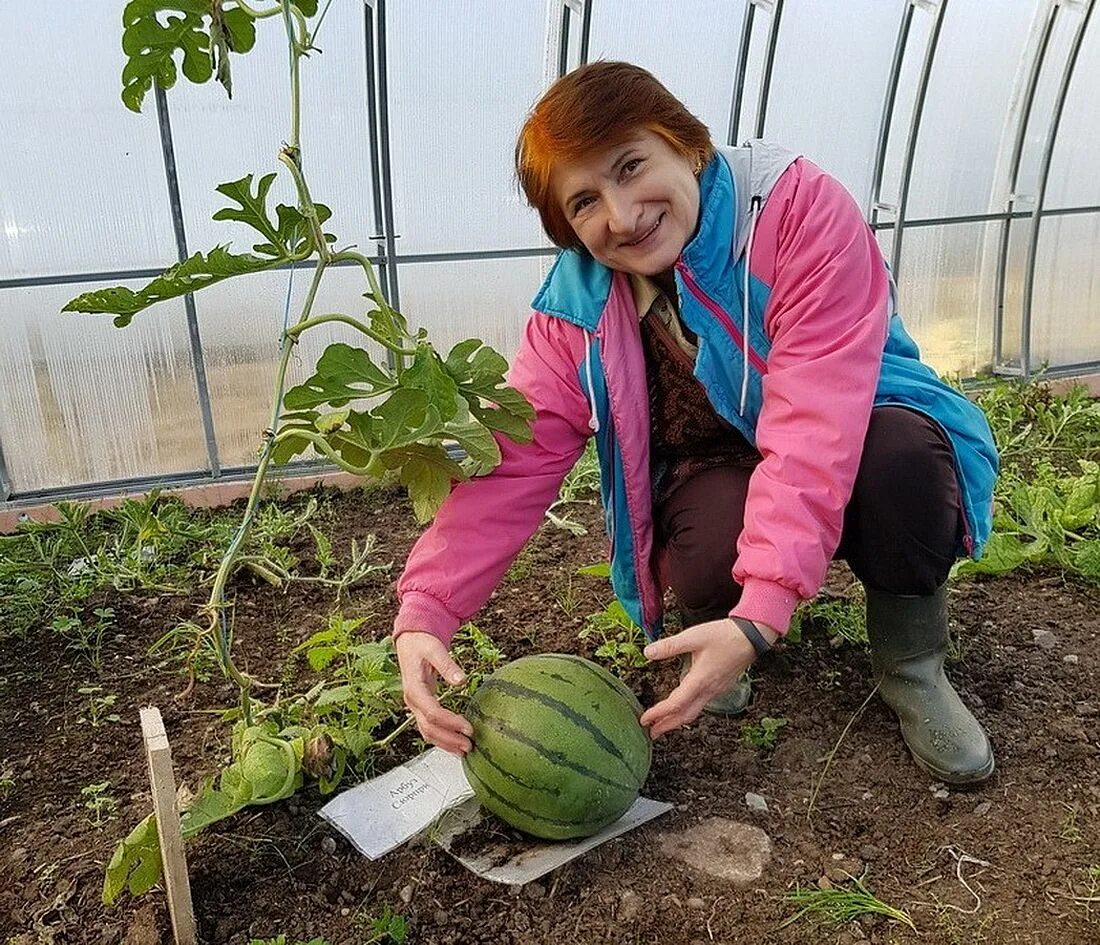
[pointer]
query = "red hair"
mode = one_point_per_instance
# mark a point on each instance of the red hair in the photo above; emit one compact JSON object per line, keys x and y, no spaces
{"x":595,"y":107}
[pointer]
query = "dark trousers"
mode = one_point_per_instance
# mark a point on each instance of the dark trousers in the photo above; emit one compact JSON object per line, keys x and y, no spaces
{"x":901,"y":526}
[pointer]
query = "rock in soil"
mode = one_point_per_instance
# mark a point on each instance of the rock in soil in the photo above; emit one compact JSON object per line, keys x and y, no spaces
{"x":722,"y":848}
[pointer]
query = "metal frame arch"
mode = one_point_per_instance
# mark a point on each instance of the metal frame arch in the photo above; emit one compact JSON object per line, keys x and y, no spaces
{"x":1044,"y":177}
{"x":1015,"y":159}
{"x":775,"y":8}
{"x":914,"y":129}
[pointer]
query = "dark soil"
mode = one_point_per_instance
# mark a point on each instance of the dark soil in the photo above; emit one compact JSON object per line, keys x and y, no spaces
{"x":280,"y":869}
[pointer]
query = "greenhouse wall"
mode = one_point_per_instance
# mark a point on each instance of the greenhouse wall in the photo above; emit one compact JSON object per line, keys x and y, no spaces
{"x":967,"y":131}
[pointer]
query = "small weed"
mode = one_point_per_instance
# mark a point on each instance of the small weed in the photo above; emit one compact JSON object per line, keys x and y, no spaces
{"x":762,"y":735}
{"x":98,"y":800}
{"x":842,"y":618}
{"x":580,"y":486}
{"x":7,"y":783}
{"x":567,"y":599}
{"x":953,"y":933}
{"x":521,"y":568}
{"x":99,"y":707}
{"x":1068,"y":829}
{"x":839,"y":905}
{"x":387,"y":929}
{"x":620,"y":639}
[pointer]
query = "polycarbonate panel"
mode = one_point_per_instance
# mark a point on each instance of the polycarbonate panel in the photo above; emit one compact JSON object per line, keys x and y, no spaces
{"x":920,"y":33}
{"x":1067,"y":19}
{"x":691,"y":46}
{"x":82,"y":401}
{"x":833,"y":115}
{"x":976,"y":77}
{"x":946,"y":294}
{"x":462,"y":78}
{"x":1066,"y":306}
{"x":82,"y":186}
{"x":242,"y":322}
{"x":218,"y":139}
{"x":1074,"y":180}
{"x":488,"y":299}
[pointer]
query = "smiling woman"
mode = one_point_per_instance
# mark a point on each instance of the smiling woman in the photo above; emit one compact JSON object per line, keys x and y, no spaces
{"x":634,"y":206}
{"x":722,"y":321}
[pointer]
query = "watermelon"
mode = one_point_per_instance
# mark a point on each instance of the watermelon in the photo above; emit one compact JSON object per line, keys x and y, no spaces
{"x":558,"y":750}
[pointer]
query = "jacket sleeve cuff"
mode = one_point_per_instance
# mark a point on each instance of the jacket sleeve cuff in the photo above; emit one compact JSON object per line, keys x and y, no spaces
{"x":768,"y":603}
{"x":420,"y":611}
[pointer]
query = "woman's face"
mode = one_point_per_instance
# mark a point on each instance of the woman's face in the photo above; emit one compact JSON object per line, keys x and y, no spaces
{"x":634,"y":206}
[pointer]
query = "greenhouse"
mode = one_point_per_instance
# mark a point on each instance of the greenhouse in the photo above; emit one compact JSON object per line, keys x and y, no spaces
{"x":526,"y":471}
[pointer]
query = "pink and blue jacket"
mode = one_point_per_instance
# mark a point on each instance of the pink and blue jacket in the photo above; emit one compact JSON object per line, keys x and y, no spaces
{"x":795,"y":311}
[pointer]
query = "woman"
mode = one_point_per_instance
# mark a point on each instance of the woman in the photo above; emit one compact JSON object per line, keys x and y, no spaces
{"x":724,"y":323}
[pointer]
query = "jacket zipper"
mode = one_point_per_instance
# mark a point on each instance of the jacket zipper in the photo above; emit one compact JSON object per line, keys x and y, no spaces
{"x":716,"y":310}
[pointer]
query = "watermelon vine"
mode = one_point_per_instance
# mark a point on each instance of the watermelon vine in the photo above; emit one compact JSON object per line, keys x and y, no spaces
{"x":397,"y":416}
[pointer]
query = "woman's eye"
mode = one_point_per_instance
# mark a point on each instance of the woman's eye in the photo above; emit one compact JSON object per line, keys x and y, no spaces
{"x":582,"y":204}
{"x":631,"y":166}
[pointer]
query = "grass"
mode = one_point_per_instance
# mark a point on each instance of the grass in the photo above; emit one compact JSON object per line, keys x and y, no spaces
{"x":841,"y":904}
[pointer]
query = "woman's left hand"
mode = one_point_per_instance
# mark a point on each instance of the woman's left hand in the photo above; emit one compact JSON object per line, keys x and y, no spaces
{"x":720,"y":652}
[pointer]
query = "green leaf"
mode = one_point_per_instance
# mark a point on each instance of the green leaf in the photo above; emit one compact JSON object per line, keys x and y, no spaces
{"x":1003,"y":553}
{"x":1086,"y":558}
{"x":252,"y":209}
{"x":154,"y":31}
{"x":427,"y":474}
{"x":135,"y":864}
{"x":192,"y":274}
{"x":479,"y":372}
{"x":210,"y":806}
{"x":429,"y":374}
{"x":342,"y":374}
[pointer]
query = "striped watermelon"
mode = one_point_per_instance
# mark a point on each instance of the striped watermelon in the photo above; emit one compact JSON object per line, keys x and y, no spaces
{"x":558,"y":751}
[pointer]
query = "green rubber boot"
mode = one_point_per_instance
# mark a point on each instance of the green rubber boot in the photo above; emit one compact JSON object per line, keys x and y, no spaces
{"x":733,"y":701}
{"x":908,"y":644}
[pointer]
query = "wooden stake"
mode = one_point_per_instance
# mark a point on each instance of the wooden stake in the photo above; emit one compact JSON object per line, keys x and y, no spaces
{"x":173,"y":862}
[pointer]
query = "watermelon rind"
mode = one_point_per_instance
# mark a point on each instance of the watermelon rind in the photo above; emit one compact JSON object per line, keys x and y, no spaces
{"x":558,"y":750}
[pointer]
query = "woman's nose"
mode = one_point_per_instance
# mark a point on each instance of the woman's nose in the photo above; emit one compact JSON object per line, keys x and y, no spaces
{"x":621,"y":215}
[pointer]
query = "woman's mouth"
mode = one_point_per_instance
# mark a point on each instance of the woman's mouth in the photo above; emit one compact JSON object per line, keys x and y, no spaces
{"x":646,"y":236}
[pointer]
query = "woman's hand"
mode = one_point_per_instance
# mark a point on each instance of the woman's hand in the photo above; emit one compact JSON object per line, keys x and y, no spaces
{"x":720,"y":652}
{"x":423,"y":659}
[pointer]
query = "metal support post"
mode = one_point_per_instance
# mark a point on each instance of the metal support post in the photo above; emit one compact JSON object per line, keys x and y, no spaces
{"x":168,"y":152}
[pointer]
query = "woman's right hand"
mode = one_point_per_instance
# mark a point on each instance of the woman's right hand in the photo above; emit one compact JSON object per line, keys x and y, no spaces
{"x":423,"y":660}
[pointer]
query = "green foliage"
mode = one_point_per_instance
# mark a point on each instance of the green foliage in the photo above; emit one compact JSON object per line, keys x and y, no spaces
{"x":204,"y":31}
{"x":842,"y":618}
{"x":620,"y":639}
{"x":837,"y":904}
{"x":1047,"y":499}
{"x":1048,"y":519}
{"x":98,"y":800}
{"x":343,"y":721}
{"x":581,"y":485}
{"x":98,"y":707}
{"x":762,"y":735}
{"x":389,"y":927}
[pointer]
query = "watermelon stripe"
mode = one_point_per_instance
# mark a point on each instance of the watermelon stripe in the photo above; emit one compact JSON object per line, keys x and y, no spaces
{"x":555,"y":757}
{"x":619,"y":690}
{"x":531,"y":815}
{"x":524,"y":692}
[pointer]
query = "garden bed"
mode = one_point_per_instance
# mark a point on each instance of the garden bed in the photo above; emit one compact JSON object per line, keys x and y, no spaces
{"x":280,"y":869}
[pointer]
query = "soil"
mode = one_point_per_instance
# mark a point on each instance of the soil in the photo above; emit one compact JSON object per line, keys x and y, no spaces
{"x":1005,"y":862}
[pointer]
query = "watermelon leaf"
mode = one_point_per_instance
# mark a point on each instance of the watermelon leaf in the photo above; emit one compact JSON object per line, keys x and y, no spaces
{"x":154,"y":31}
{"x":194,"y":273}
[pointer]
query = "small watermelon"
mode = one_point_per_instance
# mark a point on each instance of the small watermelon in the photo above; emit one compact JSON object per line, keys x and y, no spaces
{"x":558,"y":749}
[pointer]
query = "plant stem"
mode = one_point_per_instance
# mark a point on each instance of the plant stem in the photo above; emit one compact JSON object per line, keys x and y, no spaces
{"x":348,"y":255}
{"x":295,"y":76}
{"x":354,"y":323}
{"x":384,"y":743}
{"x":320,"y":443}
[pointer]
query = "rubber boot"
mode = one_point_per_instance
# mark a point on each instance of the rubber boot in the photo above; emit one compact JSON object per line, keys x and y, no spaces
{"x":733,"y":701}
{"x":908,"y":638}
